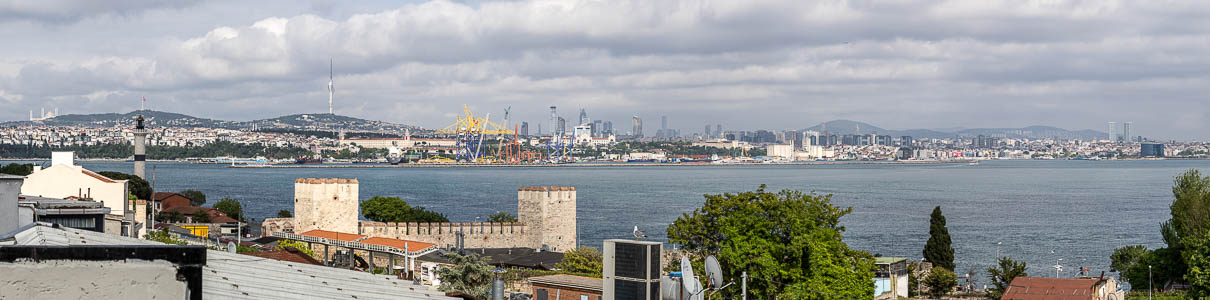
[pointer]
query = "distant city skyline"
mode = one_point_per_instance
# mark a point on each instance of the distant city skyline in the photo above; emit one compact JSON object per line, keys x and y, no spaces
{"x":924,"y":64}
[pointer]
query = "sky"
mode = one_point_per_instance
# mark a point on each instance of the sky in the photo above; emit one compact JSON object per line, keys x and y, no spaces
{"x":755,"y":64}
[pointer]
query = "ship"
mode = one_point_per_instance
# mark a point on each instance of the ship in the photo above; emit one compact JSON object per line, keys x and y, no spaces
{"x":308,"y":160}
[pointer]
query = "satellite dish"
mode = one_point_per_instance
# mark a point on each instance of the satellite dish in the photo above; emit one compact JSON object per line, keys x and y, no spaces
{"x":691,"y":286}
{"x":231,"y":247}
{"x":714,"y":272}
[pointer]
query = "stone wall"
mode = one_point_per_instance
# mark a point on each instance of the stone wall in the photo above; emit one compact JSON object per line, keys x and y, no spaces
{"x":477,"y":235}
{"x":551,"y":212}
{"x":329,"y":204}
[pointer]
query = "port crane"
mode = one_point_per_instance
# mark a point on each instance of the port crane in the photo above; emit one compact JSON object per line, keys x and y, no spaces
{"x":470,"y":132}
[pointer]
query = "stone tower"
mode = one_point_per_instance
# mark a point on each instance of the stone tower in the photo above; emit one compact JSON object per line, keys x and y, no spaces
{"x":329,"y":204}
{"x":550,"y":214}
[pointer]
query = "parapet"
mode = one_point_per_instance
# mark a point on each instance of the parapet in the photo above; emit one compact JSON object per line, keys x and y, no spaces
{"x":325,"y":181}
{"x":546,"y":188}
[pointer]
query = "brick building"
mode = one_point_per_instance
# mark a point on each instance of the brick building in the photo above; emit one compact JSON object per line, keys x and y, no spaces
{"x":567,"y":287}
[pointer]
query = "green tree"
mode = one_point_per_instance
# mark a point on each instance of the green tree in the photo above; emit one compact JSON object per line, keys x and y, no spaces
{"x":230,"y":207}
{"x":940,"y":281}
{"x":393,"y":209}
{"x":502,"y":217}
{"x":196,"y":197}
{"x":1189,"y":229}
{"x":583,"y":261}
{"x":469,"y":274}
{"x":163,"y":236}
{"x":938,"y":249}
{"x":284,"y":214}
{"x":789,"y":242}
{"x":1003,"y":275}
{"x":1123,"y":258}
{"x":139,"y":187}
{"x":200,"y":216}
{"x":300,"y":245}
{"x":170,"y":217}
{"x":18,"y":169}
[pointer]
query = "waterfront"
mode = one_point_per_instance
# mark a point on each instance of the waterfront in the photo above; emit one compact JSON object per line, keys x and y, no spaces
{"x":1079,"y":209}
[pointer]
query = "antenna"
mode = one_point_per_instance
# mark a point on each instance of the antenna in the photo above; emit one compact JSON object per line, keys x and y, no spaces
{"x":331,"y":88}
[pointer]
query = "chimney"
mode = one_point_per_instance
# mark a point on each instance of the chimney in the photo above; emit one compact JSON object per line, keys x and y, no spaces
{"x":10,"y":190}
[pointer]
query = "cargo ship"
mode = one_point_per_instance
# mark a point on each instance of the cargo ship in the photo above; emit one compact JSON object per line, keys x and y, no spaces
{"x":308,"y":160}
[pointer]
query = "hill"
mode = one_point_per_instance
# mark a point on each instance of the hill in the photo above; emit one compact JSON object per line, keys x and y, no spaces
{"x":169,"y":119}
{"x":842,"y":127}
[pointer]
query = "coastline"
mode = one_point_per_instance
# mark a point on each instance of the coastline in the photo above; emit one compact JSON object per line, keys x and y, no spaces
{"x":592,"y":165}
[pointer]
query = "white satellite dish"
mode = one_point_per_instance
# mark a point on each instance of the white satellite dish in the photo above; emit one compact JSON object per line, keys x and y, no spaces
{"x":670,"y":289}
{"x":714,"y":272}
{"x":688,"y":281}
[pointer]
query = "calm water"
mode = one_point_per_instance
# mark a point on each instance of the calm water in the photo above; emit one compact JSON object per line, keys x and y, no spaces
{"x":1080,"y":210}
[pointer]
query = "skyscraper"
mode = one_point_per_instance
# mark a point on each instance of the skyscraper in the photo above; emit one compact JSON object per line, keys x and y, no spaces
{"x":663,"y":127}
{"x":562,"y":127}
{"x":583,"y":117}
{"x":636,"y":127}
{"x":707,"y":132}
{"x":598,"y":128}
{"x":554,"y":121}
{"x":1113,"y":131}
{"x":608,"y":129}
{"x":718,"y":130}
{"x":1126,"y":137}
{"x":524,"y":129}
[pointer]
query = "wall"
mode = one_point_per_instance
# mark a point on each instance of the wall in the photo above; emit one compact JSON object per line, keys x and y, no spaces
{"x":10,"y":187}
{"x":564,"y":293}
{"x":551,"y":213}
{"x":62,"y":181}
{"x":329,"y":204}
{"x":69,"y":279}
{"x":478,"y":235}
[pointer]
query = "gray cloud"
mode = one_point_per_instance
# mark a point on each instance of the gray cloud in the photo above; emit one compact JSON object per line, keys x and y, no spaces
{"x":746,"y":64}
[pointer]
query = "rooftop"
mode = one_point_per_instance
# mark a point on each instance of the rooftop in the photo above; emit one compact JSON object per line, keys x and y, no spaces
{"x":510,"y":257}
{"x":237,"y":276}
{"x":888,"y":260}
{"x":332,"y":235}
{"x":404,"y":245}
{"x":1044,"y":288}
{"x":572,"y":281}
{"x":289,"y":254}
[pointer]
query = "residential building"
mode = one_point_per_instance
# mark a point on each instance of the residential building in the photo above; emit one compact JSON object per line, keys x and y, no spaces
{"x":568,"y":287}
{"x":890,"y":278}
{"x":85,"y":215}
{"x":1151,"y":150}
{"x":64,"y":179}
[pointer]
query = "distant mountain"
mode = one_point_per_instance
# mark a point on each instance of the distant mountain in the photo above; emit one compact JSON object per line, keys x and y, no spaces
{"x":842,"y":127}
{"x":168,"y":119}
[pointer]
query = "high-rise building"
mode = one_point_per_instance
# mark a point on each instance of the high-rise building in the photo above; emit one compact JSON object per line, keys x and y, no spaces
{"x":583,"y":117}
{"x":554,"y":121}
{"x":598,"y":128}
{"x":636,"y":127}
{"x":718,"y":130}
{"x":562,"y":126}
{"x":524,"y":129}
{"x":707,"y":132}
{"x":1126,"y":137}
{"x":608,"y":129}
{"x":1113,"y":131}
{"x":663,"y":127}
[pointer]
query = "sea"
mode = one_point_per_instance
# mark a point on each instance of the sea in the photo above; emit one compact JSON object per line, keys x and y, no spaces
{"x":1048,"y":213}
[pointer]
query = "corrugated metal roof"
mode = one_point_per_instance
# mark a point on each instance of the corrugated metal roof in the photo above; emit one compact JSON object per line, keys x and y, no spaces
{"x":1042,"y":288}
{"x":236,"y":276}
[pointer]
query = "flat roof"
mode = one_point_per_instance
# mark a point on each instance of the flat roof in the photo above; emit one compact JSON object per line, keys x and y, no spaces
{"x":404,"y":245}
{"x":572,"y":281}
{"x":888,"y":260}
{"x":332,"y":235}
{"x":11,"y":177}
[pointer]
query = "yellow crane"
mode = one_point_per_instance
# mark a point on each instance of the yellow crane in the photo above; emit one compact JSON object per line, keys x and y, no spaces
{"x":471,"y":132}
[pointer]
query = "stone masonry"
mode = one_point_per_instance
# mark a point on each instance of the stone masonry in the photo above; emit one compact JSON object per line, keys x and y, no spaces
{"x":329,"y":204}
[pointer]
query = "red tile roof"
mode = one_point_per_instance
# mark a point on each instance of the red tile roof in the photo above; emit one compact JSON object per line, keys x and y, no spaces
{"x":332,"y":235}
{"x":398,"y":244}
{"x":1042,"y":288}
{"x":97,"y":176}
{"x":216,"y":216}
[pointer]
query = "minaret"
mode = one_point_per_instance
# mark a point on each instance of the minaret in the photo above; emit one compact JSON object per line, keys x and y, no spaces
{"x":140,"y":148}
{"x":331,"y":88}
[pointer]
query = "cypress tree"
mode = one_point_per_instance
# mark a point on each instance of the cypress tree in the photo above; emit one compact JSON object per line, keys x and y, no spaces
{"x":938,"y":249}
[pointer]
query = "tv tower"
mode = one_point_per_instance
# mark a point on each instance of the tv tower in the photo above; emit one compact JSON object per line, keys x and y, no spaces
{"x":331,"y":88}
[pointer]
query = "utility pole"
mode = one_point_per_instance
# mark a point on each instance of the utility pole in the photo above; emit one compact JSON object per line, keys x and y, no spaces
{"x":1150,"y":283}
{"x":744,"y":285}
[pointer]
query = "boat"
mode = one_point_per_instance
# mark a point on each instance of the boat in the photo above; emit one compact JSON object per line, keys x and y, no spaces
{"x":308,"y":160}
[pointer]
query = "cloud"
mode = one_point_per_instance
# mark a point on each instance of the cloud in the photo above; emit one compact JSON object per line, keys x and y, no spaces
{"x":60,"y":11}
{"x":749,"y":64}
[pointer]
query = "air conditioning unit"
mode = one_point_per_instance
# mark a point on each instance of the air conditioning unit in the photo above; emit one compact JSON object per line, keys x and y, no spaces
{"x":631,"y":270}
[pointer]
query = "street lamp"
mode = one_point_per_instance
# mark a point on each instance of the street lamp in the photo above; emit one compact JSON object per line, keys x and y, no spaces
{"x":1150,"y":284}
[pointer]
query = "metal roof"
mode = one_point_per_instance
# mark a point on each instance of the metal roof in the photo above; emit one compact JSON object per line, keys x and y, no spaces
{"x":237,"y":276}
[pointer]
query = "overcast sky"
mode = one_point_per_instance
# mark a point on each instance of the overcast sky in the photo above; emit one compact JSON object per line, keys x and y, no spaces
{"x":745,"y":64}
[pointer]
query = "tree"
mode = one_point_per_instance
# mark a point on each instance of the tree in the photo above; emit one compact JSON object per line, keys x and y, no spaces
{"x":938,"y":249}
{"x":393,"y":209}
{"x":789,"y":242}
{"x":18,"y":169}
{"x":502,"y":217}
{"x":940,"y":281}
{"x":469,"y":274}
{"x":196,"y":197}
{"x":1002,"y":276}
{"x":139,"y":187}
{"x":200,"y":216}
{"x":284,"y":214}
{"x":1189,"y":229}
{"x":171,"y":217}
{"x":230,"y":207}
{"x":583,"y":261}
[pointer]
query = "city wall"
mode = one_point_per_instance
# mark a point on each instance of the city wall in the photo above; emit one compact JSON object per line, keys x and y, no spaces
{"x":475,"y":235}
{"x":329,"y":204}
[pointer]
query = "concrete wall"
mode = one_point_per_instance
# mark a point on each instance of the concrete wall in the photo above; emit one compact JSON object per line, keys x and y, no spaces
{"x":10,"y":187}
{"x":329,"y":204}
{"x":62,"y":181}
{"x":67,"y":279}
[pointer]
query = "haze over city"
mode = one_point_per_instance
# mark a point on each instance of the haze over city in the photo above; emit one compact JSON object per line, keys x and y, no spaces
{"x":748,"y":64}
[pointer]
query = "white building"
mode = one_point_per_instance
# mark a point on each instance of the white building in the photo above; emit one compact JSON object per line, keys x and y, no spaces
{"x":785,"y":152}
{"x":65,"y":179}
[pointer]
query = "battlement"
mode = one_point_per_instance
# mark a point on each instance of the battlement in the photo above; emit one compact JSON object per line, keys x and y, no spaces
{"x":546,"y":189}
{"x":475,"y":234}
{"x":325,"y":181}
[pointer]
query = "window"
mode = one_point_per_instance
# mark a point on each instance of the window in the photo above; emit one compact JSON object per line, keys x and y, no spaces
{"x":541,"y":295}
{"x":583,"y":297}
